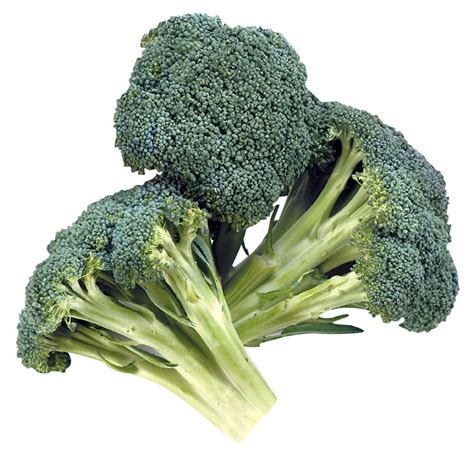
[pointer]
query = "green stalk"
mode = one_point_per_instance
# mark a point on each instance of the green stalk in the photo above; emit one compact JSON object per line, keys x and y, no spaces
{"x":89,"y":342}
{"x":142,"y":327}
{"x":186,"y":320}
{"x":225,"y":248}
{"x":305,"y":256}
{"x":336,"y":292}
{"x":257,"y":269}
{"x":348,"y":253}
{"x":309,"y":223}
{"x":206,"y":309}
{"x":301,"y":235}
{"x":302,"y":195}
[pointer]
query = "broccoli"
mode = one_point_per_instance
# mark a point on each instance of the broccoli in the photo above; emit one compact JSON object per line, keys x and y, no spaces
{"x":368,"y":232}
{"x":144,"y":281}
{"x":132,"y":283}
{"x":223,"y":112}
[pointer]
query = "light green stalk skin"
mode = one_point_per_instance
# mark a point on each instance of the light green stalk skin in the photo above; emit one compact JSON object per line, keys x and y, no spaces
{"x":230,"y":416}
{"x":304,"y":246}
{"x":208,"y":352}
{"x":206,"y":310}
{"x":220,"y":399}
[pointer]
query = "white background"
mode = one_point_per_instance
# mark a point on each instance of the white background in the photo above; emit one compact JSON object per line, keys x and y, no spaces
{"x":384,"y":392}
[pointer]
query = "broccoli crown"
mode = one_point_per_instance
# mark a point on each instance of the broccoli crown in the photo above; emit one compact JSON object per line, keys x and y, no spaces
{"x":405,"y":266}
{"x":117,"y":234}
{"x":222,"y":110}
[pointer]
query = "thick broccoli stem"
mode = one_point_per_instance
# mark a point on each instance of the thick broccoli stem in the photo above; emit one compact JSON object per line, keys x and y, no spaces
{"x":302,"y":195}
{"x":206,"y":309}
{"x":336,"y":292}
{"x":307,"y":242}
{"x":305,"y":256}
{"x":139,"y":324}
{"x":256,"y":268}
{"x":225,"y":248}
{"x":231,"y":418}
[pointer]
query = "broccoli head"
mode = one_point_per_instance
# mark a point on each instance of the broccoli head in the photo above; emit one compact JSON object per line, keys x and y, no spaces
{"x":132,"y":283}
{"x":223,"y":111}
{"x":369,"y":231}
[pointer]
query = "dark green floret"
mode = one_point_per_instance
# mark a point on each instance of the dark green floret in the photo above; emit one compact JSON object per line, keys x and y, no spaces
{"x":374,"y":223}
{"x":222,"y":110}
{"x":132,"y":283}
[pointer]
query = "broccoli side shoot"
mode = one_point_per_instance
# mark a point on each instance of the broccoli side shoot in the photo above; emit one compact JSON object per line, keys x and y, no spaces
{"x":223,"y":111}
{"x":370,"y":231}
{"x":132,"y":283}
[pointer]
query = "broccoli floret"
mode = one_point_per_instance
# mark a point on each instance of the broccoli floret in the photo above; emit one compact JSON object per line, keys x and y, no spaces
{"x":223,"y":111}
{"x":374,"y":224}
{"x":132,"y":283}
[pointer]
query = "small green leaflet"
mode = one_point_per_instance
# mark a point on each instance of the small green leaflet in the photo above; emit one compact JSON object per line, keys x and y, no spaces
{"x":321,"y":326}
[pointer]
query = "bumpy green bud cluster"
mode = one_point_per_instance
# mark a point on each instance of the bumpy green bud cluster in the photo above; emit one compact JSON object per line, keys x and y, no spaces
{"x":404,"y":282}
{"x":403,"y":252}
{"x":222,"y":110}
{"x":47,"y":297}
